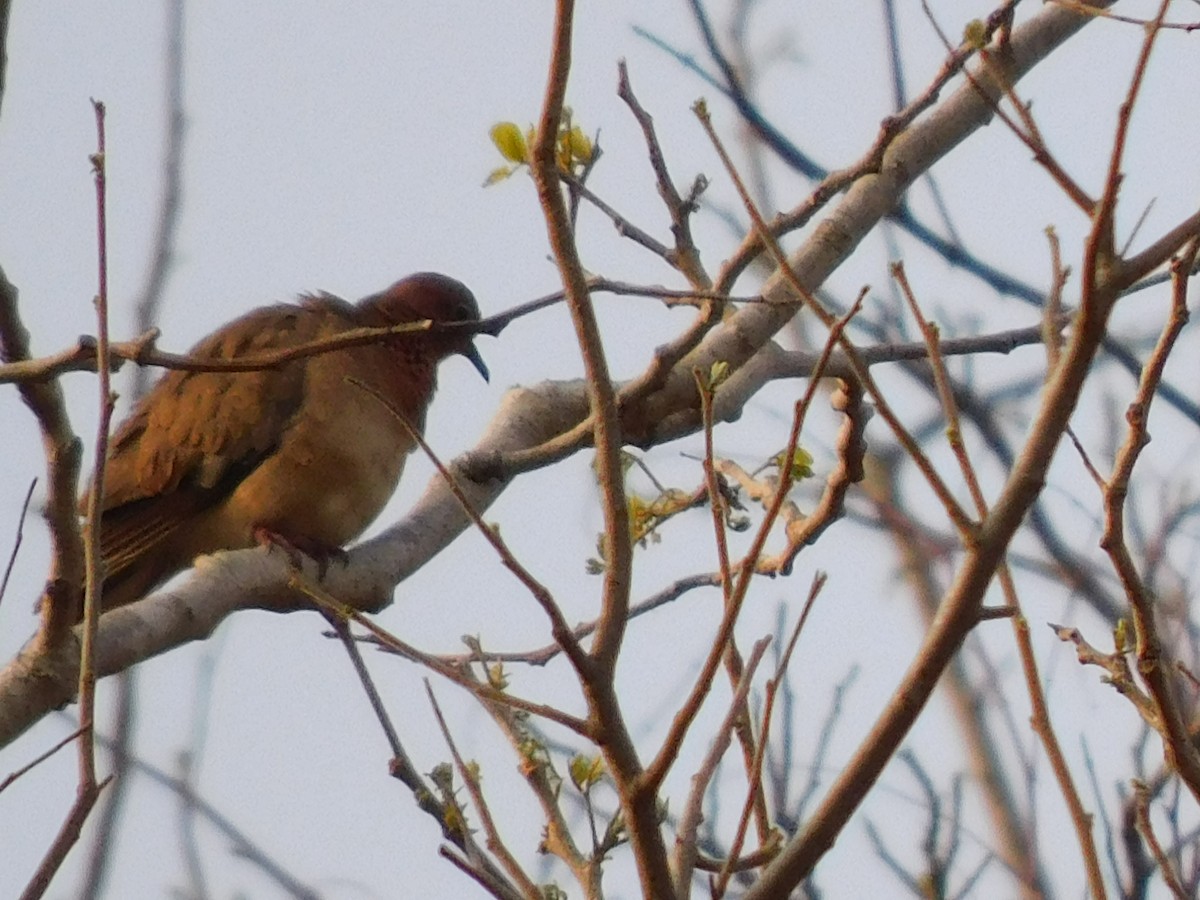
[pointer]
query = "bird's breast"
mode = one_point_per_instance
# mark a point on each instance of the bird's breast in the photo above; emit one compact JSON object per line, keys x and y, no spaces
{"x":337,"y":464}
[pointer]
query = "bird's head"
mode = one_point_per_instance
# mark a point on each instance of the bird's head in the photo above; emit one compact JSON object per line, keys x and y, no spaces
{"x":439,"y":298}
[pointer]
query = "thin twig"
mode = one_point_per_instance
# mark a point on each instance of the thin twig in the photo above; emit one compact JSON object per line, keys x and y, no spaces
{"x":543,"y":655}
{"x":545,"y":783}
{"x":146,"y":314}
{"x":772,"y":691}
{"x":682,"y":721}
{"x":323,"y":600}
{"x":726,"y":642}
{"x":342,"y":630}
{"x":12,"y":557}
{"x":1030,"y":135}
{"x":1153,"y":660}
{"x":401,"y":765}
{"x":945,"y":496}
{"x":242,"y":845}
{"x":684,"y":256}
{"x":689,"y":821}
{"x":39,"y":759}
{"x":91,"y":534}
{"x":959,"y":609}
{"x":997,"y":25}
{"x":88,"y":790}
{"x":1041,"y":716}
{"x":639,"y":805}
{"x":494,"y":842}
{"x":1141,"y":798}
{"x":558,"y":623}
{"x":601,"y":394}
{"x":850,"y":450}
{"x":67,"y":837}
{"x":1089,"y":10}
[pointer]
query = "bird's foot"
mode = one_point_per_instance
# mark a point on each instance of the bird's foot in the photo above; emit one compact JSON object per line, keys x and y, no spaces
{"x":297,"y":545}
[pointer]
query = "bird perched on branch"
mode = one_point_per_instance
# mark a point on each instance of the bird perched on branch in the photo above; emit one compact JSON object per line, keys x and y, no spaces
{"x":303,"y":455}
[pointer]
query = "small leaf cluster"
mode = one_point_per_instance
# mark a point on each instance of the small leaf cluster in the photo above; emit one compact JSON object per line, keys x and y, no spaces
{"x":575,"y":151}
{"x":801,"y":466}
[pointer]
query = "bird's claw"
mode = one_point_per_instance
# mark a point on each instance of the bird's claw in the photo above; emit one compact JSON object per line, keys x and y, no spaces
{"x":296,"y":546}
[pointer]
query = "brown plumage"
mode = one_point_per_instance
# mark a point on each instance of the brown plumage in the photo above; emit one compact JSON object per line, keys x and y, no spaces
{"x":213,"y":461}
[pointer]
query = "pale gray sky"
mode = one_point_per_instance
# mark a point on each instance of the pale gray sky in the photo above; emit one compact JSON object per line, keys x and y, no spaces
{"x":339,"y":147}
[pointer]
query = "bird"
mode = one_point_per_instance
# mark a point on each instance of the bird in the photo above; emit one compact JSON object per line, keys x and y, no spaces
{"x":303,"y":456}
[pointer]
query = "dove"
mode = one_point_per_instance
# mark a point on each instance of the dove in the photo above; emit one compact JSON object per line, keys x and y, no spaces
{"x":303,"y":455}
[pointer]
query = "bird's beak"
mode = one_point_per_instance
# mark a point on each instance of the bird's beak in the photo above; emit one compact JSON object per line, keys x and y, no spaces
{"x":471,"y":353}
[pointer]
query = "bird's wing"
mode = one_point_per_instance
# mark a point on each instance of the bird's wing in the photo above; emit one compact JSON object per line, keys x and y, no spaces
{"x":196,"y":435}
